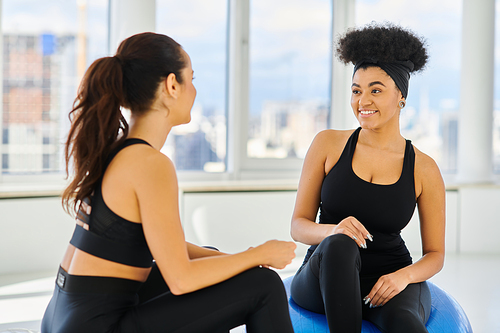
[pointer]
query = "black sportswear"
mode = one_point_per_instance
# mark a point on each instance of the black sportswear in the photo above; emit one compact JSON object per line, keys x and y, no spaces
{"x":110,"y":236}
{"x":336,"y":274}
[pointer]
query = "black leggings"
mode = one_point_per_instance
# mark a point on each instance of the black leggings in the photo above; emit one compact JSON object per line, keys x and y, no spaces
{"x":99,"y":304}
{"x":329,"y":283}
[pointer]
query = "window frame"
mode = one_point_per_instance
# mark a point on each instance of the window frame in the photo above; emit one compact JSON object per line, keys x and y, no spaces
{"x":238,"y":91}
{"x":27,"y":184}
{"x":238,"y":165}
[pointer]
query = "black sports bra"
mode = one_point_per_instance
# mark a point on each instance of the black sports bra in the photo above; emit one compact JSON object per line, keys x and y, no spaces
{"x":110,"y":236}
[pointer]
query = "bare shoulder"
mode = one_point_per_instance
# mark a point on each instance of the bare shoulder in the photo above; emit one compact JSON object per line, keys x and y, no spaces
{"x":138,"y":173}
{"x":427,"y":172}
{"x":424,"y":163}
{"x":333,"y":136}
{"x":332,"y":139}
{"x":145,"y":164}
{"x":328,"y":146}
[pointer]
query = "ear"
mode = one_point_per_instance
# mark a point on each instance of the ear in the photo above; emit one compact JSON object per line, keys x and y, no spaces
{"x":172,"y":87}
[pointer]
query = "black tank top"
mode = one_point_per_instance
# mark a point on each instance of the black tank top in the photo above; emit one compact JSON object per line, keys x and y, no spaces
{"x":110,"y":236}
{"x":384,"y":210}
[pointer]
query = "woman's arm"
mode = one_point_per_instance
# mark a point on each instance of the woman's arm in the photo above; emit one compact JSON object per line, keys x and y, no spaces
{"x":322,"y":155}
{"x":431,"y":209}
{"x":196,"y":251}
{"x":157,"y":194}
{"x":304,"y":229}
{"x":432,"y":214}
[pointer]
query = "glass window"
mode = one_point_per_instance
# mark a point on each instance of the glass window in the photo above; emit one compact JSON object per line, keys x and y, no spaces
{"x":496,"y":107}
{"x":200,"y":27}
{"x":43,"y":62}
{"x":5,"y":161}
{"x":290,"y":68}
{"x":430,"y":118}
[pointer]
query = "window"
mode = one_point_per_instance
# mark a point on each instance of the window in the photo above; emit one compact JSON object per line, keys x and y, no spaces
{"x":290,"y":68}
{"x":46,"y":161}
{"x":5,"y":161}
{"x":200,"y":27}
{"x":496,"y":111}
{"x":430,"y":118}
{"x":5,"y":135}
{"x":43,"y":62}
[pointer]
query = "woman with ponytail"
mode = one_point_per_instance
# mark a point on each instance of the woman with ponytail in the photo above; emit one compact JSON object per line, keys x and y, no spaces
{"x":125,"y":197}
{"x":366,"y":184}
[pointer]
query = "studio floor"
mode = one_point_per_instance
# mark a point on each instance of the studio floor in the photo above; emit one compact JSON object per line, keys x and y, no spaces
{"x":471,"y":279}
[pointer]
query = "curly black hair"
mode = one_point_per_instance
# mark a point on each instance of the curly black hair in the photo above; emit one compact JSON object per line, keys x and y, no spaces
{"x":385,"y":42}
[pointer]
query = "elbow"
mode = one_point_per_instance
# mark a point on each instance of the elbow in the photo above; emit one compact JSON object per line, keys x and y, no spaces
{"x":438,"y":258}
{"x":293,"y":232}
{"x":179,"y":288}
{"x":441,"y":263}
{"x":177,"y":291}
{"x":180,"y":284}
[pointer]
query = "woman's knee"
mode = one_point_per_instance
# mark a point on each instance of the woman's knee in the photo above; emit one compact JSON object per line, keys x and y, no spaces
{"x":264,"y":287}
{"x":264,"y":278}
{"x":255,"y":283}
{"x":337,"y":244}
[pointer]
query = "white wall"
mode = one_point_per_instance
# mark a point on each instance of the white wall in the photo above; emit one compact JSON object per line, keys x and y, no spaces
{"x":411,"y":234}
{"x":479,"y":213}
{"x":34,"y":232}
{"x":234,"y":221}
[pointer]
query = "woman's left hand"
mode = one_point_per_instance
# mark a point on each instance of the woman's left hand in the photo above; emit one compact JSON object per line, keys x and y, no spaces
{"x":386,"y":288}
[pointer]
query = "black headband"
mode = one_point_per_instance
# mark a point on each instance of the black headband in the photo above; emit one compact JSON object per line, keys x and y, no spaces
{"x":399,"y":71}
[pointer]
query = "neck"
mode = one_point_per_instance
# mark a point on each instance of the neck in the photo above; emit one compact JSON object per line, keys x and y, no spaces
{"x":387,"y":138}
{"x":152,"y":127}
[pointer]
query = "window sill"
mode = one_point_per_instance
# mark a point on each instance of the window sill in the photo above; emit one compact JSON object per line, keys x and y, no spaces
{"x":239,"y":186}
{"x":31,"y":190}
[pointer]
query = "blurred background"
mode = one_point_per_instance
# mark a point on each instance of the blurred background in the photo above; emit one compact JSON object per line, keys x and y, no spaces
{"x":267,"y":82}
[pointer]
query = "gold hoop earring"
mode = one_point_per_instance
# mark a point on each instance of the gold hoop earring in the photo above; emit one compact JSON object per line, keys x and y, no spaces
{"x":402,"y":104}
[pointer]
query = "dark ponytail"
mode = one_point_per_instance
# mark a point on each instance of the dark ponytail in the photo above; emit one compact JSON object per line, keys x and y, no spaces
{"x":130,"y":79}
{"x":96,"y":121}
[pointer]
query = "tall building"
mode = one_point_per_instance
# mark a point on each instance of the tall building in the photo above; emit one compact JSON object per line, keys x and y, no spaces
{"x":286,"y":128}
{"x":38,"y":71}
{"x":201,"y":144}
{"x":449,"y":123}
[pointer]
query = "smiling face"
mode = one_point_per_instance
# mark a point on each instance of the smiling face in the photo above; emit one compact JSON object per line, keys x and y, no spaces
{"x":375,"y":98}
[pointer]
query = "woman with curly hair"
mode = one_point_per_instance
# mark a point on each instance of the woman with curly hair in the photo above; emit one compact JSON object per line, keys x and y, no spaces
{"x":366,"y":184}
{"x":125,"y":194}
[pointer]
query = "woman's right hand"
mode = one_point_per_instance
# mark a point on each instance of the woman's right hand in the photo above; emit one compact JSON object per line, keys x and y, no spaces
{"x":277,"y":254}
{"x":351,"y":227}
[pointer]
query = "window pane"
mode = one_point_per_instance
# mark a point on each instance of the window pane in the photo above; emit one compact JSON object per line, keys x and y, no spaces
{"x":430,"y":118}
{"x":43,"y":61}
{"x":200,"y":27}
{"x":496,"y":112}
{"x":290,"y":71}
